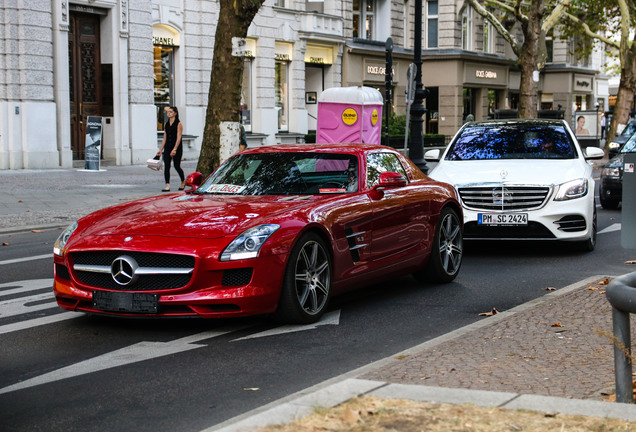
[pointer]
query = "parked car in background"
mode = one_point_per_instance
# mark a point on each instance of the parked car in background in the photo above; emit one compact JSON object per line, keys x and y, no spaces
{"x":626,"y":134}
{"x":274,"y":230}
{"x":611,"y":187}
{"x":521,"y":179}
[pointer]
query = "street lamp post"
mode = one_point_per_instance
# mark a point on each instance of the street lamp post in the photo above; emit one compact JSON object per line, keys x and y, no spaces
{"x":388,"y":84}
{"x":416,"y":142}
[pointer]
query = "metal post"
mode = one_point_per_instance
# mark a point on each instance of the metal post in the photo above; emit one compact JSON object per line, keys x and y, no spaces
{"x":416,"y":141}
{"x":388,"y":84}
{"x":622,"y":359}
{"x":621,"y":293}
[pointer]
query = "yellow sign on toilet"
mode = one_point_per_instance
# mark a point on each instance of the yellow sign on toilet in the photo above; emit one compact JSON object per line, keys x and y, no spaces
{"x":374,"y":117}
{"x":349,"y":116}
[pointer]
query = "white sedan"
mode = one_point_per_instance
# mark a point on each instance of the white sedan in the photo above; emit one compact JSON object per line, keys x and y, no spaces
{"x":521,"y":180}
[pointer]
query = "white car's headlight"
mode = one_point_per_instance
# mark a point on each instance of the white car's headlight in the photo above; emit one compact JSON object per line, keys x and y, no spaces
{"x":611,"y":172}
{"x":248,"y":244}
{"x":571,"y":190}
{"x":60,"y":244}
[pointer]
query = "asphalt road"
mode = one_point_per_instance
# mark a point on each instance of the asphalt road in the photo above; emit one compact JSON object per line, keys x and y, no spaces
{"x":93,"y":373}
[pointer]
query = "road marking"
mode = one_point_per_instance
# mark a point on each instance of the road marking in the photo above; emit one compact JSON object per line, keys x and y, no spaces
{"x":25,"y":286}
{"x":23,"y":325}
{"x":331,"y":318}
{"x":20,"y":305}
{"x":33,"y":258}
{"x":611,"y":228}
{"x":124,"y":356}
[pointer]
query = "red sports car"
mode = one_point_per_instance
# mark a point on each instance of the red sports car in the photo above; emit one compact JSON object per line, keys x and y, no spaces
{"x":274,"y":230}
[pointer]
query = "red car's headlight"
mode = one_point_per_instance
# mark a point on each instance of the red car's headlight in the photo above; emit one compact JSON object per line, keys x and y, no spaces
{"x":248,"y":244}
{"x":60,"y":244}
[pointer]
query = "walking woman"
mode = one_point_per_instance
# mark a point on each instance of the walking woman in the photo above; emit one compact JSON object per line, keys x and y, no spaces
{"x":171,"y":147}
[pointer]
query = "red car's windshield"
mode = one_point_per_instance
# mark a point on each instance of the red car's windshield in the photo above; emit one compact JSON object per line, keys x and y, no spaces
{"x":284,"y":174}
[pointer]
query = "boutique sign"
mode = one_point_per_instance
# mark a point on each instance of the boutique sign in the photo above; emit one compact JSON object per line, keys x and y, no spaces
{"x":491,"y":75}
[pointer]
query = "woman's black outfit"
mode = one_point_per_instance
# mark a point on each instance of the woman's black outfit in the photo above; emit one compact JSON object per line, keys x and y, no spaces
{"x":171,"y":141}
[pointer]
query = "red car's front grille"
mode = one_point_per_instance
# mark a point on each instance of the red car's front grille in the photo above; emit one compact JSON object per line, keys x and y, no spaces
{"x":156,"y":271}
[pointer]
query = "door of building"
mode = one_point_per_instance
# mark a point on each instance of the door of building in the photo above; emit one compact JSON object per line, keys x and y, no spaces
{"x":84,"y":76}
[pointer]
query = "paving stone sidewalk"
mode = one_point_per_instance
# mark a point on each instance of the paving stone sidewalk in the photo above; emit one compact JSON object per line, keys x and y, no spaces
{"x":560,"y":347}
{"x":31,"y":198}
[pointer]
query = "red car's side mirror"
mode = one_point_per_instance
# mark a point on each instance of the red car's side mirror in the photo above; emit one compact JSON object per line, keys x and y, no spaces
{"x":390,"y":179}
{"x":194,"y":180}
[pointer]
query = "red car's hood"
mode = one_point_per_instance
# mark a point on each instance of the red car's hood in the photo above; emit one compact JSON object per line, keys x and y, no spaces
{"x":200,"y":216}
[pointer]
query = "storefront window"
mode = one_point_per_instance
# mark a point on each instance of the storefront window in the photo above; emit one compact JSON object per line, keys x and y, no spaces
{"x":492,"y":102}
{"x":469,"y":98}
{"x":431,"y":27}
{"x":282,"y":95}
{"x":164,"y":81}
{"x":246,"y":95}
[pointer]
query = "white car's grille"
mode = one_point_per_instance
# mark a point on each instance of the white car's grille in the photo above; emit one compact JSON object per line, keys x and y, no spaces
{"x":504,"y":198}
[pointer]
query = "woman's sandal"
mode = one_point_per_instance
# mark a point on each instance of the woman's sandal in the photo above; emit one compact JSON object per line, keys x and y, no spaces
{"x":165,"y":190}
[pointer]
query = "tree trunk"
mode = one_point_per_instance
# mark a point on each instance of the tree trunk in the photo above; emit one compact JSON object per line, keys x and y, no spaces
{"x":226,"y":78}
{"x":626,"y":89}
{"x":528,"y":58}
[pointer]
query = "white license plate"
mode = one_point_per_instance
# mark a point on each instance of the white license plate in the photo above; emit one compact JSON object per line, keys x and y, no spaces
{"x":502,"y":219}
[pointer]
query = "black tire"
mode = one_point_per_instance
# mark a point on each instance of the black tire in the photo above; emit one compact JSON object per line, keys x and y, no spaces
{"x":589,"y":244}
{"x":609,"y":204}
{"x":307,"y":282}
{"x":446,"y":251}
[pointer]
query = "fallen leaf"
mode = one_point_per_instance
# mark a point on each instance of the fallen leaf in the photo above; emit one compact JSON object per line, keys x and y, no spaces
{"x":351,"y":416}
{"x":491,"y":313}
{"x":28,"y":211}
{"x":556,"y":325}
{"x":550,"y":289}
{"x":20,"y":201}
{"x":5,"y":244}
{"x":601,"y":292}
{"x":37,"y":231}
{"x":605,"y":281}
{"x":591,"y":288}
{"x":251,"y":389}
{"x":630,"y":262}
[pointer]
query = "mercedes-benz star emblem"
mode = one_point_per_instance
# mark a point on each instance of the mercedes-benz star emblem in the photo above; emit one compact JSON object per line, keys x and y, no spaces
{"x":503,"y":174}
{"x":123,"y":270}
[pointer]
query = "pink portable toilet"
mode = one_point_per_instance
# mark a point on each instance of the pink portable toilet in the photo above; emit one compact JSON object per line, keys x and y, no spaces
{"x":349,"y":115}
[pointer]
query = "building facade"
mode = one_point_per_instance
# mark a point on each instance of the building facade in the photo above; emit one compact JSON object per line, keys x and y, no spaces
{"x":126,"y":60}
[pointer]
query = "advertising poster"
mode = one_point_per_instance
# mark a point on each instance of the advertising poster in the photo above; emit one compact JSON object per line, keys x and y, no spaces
{"x":586,"y":124}
{"x":93,"y":146}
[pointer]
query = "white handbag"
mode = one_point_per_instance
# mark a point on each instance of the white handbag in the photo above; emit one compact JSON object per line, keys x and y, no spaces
{"x":155,"y":163}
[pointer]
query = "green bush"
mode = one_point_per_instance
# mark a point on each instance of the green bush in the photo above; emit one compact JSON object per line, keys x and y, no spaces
{"x":397,"y":125}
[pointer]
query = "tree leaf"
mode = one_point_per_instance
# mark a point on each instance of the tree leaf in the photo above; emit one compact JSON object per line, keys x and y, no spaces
{"x":351,"y":416}
{"x":491,"y":313}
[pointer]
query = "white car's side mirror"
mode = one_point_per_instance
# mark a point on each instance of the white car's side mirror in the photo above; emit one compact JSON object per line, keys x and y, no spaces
{"x":432,"y":155}
{"x":593,"y":153}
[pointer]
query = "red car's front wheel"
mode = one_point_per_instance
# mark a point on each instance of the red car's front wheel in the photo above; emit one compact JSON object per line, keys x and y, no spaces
{"x":307,"y":282}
